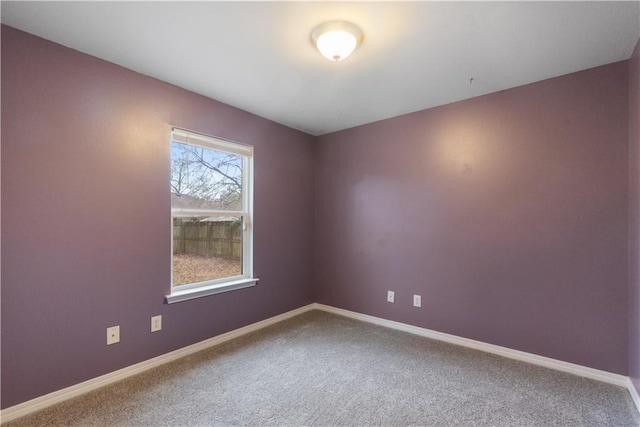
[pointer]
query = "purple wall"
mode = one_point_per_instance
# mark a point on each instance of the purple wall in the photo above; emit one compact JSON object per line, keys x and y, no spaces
{"x":634,"y":217}
{"x":507,"y":213}
{"x":86,"y":217}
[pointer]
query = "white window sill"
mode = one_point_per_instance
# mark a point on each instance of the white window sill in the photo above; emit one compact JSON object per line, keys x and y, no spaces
{"x":204,"y":291}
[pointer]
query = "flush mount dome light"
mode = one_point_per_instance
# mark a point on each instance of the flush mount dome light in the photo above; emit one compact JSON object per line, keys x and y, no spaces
{"x":336,"y":39}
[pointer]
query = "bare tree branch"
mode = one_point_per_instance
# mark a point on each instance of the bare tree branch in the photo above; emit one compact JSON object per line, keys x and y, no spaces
{"x":212,"y":177}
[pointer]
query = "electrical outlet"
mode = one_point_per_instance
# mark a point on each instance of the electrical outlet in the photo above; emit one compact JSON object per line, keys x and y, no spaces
{"x":417,"y":301}
{"x":156,"y":323}
{"x":113,"y":335}
{"x":391,"y":296}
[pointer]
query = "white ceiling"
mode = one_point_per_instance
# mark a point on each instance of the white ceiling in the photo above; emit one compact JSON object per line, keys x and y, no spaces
{"x":415,"y":55}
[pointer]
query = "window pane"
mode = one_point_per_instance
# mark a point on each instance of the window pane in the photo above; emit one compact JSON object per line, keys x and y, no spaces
{"x":203,"y":178}
{"x":206,"y":248}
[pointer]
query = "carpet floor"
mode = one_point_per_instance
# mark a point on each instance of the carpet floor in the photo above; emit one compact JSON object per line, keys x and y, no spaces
{"x":318,"y":369}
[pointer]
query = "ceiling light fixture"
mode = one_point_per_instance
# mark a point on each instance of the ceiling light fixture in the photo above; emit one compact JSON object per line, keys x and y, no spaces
{"x":336,"y":39}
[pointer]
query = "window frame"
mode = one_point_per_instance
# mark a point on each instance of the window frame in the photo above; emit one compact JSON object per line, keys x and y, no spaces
{"x":245,"y":279}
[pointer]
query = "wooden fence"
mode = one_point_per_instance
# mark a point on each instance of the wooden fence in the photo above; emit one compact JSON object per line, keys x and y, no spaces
{"x":208,"y":238}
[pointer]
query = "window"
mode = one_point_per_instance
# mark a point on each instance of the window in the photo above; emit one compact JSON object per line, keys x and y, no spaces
{"x":211,"y":208}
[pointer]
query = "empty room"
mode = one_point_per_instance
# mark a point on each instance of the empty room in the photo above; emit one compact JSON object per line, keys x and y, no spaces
{"x":320,"y":213}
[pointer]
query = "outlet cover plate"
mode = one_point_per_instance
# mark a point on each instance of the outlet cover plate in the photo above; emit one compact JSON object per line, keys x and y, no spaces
{"x":156,"y":323}
{"x":417,"y":301}
{"x":391,"y":296}
{"x":113,"y":335}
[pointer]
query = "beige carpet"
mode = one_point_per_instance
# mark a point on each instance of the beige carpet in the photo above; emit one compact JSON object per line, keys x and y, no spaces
{"x":324,"y":370}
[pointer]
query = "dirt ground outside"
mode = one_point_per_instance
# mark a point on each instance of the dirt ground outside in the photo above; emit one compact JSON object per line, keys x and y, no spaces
{"x":196,"y":268}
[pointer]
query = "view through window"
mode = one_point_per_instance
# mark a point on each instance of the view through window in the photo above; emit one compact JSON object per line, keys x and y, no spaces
{"x":210,"y":201}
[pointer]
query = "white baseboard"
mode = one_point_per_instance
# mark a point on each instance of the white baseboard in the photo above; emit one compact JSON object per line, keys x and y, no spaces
{"x":583,"y":371}
{"x":42,"y":402}
{"x":634,"y":394}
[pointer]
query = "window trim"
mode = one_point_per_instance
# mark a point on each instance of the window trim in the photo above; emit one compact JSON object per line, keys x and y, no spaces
{"x":225,"y":284}
{"x":204,"y":291}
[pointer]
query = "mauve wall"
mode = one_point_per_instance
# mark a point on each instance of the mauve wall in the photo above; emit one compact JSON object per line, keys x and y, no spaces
{"x":86,"y":217}
{"x":507,"y":213}
{"x":634,"y":217}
